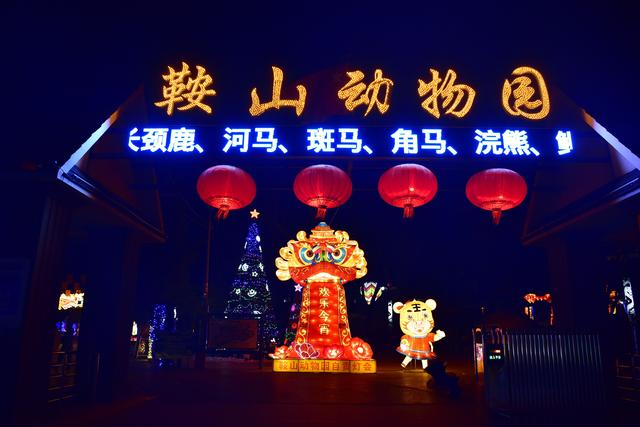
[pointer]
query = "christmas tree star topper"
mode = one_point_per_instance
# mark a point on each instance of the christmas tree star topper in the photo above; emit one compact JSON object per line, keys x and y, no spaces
{"x":254,"y":214}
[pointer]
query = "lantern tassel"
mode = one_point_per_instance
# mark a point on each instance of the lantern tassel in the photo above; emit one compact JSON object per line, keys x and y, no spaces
{"x":408,"y":211}
{"x":223,"y":212}
{"x":495,"y":215}
{"x":321,"y":213}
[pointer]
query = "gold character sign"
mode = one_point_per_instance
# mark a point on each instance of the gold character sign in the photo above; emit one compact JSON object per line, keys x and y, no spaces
{"x":180,"y":88}
{"x":526,"y":94}
{"x":356,"y":93}
{"x":276,"y":102}
{"x":455,"y":99}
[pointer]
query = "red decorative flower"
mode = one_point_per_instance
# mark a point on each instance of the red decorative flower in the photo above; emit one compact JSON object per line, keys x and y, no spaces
{"x":334,"y":352}
{"x":280,"y":353}
{"x":360,"y":349}
{"x":306,"y":351}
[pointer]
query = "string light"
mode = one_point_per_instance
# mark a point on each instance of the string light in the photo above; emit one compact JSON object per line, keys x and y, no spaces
{"x":320,"y":264}
{"x":518,"y":94}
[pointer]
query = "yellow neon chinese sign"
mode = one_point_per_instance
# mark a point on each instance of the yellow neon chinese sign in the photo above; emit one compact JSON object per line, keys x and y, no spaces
{"x":276,"y":102}
{"x":180,"y":88}
{"x":519,"y":95}
{"x":455,"y":99}
{"x":356,"y":93}
{"x":524,"y":93}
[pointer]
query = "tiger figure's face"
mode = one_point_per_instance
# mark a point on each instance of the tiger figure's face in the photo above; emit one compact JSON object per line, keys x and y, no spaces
{"x":416,"y":317}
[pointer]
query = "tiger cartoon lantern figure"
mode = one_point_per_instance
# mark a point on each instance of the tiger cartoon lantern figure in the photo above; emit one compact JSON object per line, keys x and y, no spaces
{"x":416,"y":322}
{"x":322,"y":263}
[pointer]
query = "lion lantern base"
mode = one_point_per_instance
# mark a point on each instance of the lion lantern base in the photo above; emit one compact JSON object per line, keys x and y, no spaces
{"x":416,"y":322}
{"x":322,"y":263}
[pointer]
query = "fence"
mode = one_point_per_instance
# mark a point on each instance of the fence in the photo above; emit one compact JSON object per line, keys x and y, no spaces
{"x":529,"y":371}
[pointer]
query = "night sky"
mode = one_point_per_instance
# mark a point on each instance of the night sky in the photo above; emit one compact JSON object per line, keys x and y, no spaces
{"x":66,"y":71}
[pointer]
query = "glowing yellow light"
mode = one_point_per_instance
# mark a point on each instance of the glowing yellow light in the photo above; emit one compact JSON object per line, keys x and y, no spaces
{"x":356,"y":93}
{"x":276,"y":102}
{"x":362,"y":366}
{"x":192,"y":91}
{"x":323,"y":315}
{"x":324,"y":329}
{"x":447,"y":94}
{"x":254,"y":214}
{"x":320,"y":365}
{"x":68,"y":300}
{"x":518,"y":94}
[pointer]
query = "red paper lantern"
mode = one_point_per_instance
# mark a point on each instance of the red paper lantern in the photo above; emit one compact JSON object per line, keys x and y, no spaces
{"x":323,"y":187}
{"x":226,"y":188}
{"x":408,"y":186}
{"x":496,"y":190}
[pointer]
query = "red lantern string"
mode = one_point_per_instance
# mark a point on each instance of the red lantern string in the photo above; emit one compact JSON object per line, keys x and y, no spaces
{"x":323,"y":187}
{"x":408,"y":186}
{"x":226,"y":188}
{"x":496,"y":190}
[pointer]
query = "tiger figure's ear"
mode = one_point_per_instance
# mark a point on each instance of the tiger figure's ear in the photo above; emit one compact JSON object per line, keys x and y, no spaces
{"x":431,"y":304}
{"x":397,"y":307}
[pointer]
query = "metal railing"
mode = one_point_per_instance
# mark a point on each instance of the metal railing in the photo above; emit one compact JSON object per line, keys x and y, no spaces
{"x":544,"y":371}
{"x":62,"y":376}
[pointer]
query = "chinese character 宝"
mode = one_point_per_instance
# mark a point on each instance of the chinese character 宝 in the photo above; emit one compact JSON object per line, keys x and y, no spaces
{"x":181,"y":88}
{"x":518,"y":95}
{"x":276,"y":102}
{"x":356,"y":93}
{"x":455,"y":99}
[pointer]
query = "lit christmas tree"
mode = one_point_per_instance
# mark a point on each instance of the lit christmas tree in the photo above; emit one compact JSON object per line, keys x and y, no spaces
{"x":250,"y":295}
{"x":294,"y":313}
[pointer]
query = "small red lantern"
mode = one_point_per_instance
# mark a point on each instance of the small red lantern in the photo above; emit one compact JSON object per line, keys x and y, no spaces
{"x":322,"y":187}
{"x":408,"y":186}
{"x":496,"y":190}
{"x":226,"y":188}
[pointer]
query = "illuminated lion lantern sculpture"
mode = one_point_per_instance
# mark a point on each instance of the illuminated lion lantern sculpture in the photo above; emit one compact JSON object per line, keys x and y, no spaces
{"x":322,"y":263}
{"x":416,"y":322}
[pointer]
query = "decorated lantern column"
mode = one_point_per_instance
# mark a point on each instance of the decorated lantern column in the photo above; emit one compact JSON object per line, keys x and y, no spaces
{"x":322,"y":263}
